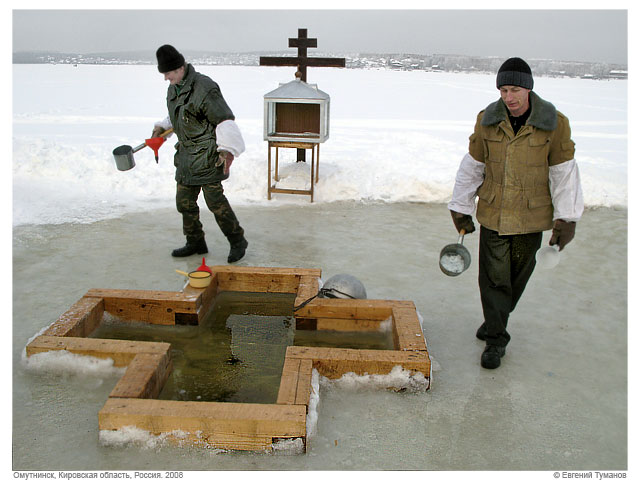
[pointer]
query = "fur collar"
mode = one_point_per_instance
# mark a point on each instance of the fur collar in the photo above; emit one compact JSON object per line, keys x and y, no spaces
{"x":543,"y":114}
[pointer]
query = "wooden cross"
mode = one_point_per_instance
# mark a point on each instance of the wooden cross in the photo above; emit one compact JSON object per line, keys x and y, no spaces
{"x":302,"y":61}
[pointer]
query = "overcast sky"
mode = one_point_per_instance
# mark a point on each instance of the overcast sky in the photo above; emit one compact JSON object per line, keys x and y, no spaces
{"x":578,"y":35}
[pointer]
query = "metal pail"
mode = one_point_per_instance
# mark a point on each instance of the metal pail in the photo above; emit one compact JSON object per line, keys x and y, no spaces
{"x":124,"y":157}
{"x":454,"y":258}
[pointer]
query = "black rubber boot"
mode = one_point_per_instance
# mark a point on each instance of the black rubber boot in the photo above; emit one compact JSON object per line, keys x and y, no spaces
{"x":199,"y":247}
{"x":237,"y":250}
{"x":491,"y":356}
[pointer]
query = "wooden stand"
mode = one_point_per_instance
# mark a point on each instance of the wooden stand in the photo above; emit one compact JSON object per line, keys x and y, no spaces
{"x":315,"y":167}
{"x":236,"y":426}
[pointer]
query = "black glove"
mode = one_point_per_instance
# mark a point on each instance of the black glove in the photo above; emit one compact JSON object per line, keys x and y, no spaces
{"x":463,"y":222}
{"x":563,"y":233}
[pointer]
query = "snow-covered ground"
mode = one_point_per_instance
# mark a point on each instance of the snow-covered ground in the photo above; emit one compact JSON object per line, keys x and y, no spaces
{"x":558,"y":402}
{"x":394,"y":137}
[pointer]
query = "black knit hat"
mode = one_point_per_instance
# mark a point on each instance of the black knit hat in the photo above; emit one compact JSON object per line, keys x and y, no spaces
{"x":515,"y":71}
{"x":168,"y":59}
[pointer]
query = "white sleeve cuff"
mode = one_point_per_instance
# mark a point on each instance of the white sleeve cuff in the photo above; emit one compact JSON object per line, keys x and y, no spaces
{"x":165,"y":123}
{"x":566,"y":191}
{"x":468,"y":179}
{"x":229,"y":138}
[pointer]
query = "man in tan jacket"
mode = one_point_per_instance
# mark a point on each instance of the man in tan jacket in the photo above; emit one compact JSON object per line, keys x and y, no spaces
{"x":521,"y":167}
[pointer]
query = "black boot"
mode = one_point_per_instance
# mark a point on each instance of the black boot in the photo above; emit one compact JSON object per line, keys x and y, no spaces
{"x":237,"y":250}
{"x":491,"y":356}
{"x":199,"y":247}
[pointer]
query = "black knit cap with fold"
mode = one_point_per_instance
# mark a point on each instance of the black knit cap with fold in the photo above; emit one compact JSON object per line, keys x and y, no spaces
{"x":515,"y":71}
{"x":168,"y":59}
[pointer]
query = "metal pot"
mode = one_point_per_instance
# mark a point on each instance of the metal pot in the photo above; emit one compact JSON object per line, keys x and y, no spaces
{"x":455,"y":258}
{"x":123,"y":156}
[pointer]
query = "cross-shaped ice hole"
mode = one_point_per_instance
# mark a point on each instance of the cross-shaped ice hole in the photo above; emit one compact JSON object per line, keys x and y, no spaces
{"x":237,"y":353}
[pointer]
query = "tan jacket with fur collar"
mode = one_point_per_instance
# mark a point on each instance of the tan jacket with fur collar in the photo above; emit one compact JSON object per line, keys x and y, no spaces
{"x":514,"y":197}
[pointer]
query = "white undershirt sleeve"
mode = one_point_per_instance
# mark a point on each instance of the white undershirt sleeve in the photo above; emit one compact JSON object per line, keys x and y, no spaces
{"x":164,"y":123}
{"x":229,"y":138}
{"x":566,"y":191}
{"x":468,"y":179}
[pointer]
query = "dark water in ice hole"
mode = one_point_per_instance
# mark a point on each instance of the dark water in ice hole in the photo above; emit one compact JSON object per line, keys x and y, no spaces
{"x":236,"y":354}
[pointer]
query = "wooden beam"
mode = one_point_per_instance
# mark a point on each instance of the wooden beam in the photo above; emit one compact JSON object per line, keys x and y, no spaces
{"x":80,"y":320}
{"x":145,"y":376}
{"x":303,"y":43}
{"x":290,"y":191}
{"x":121,"y":351}
{"x":206,"y":297}
{"x":348,"y":308}
{"x":237,"y":426}
{"x":295,"y":383}
{"x":260,"y":280}
{"x":308,"y":287}
{"x":291,"y":144}
{"x":407,"y":333}
{"x":347,"y":324}
{"x":276,"y":271}
{"x":335,"y":362}
{"x":149,"y":306}
{"x":303,"y":388}
{"x":302,"y":62}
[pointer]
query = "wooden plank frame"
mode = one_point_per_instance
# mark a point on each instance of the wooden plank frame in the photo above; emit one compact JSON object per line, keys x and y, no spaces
{"x":232,"y":426}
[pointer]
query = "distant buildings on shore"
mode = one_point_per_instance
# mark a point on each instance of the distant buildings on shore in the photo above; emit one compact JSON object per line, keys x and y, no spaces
{"x":430,"y":62}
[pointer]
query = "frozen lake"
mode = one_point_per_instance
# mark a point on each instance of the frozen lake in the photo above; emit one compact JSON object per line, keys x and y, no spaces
{"x":559,"y":400}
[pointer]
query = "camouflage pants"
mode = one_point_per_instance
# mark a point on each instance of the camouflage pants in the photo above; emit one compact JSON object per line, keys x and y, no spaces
{"x":187,"y":204}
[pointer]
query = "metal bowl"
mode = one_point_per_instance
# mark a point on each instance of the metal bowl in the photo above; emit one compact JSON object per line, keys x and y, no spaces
{"x":454,"y":258}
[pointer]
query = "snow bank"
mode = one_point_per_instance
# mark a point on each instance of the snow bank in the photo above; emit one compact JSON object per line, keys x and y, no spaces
{"x":395,"y":137}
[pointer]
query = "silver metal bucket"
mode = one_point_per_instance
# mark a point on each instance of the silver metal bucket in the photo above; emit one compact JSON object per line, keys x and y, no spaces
{"x":455,"y":258}
{"x":123,"y":156}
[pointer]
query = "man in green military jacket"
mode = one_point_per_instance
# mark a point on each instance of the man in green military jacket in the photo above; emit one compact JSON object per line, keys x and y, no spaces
{"x":521,"y":167}
{"x":208,"y":141}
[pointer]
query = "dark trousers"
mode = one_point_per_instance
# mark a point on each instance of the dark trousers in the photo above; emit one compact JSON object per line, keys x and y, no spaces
{"x":187,"y":204}
{"x":506,"y":264}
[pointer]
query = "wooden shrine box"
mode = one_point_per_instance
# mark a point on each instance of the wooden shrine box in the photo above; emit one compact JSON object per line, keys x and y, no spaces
{"x":296,"y":112}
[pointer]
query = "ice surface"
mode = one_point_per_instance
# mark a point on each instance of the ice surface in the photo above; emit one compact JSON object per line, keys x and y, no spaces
{"x":561,"y":389}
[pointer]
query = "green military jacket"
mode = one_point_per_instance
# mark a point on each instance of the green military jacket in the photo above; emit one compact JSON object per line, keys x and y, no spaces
{"x":196,"y":107}
{"x":514,"y":197}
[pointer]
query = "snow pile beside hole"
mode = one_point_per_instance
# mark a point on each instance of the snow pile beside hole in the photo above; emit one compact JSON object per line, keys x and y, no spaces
{"x":62,"y":362}
{"x":288,"y":446}
{"x":133,"y":436}
{"x":397,"y":379}
{"x":314,"y":400}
